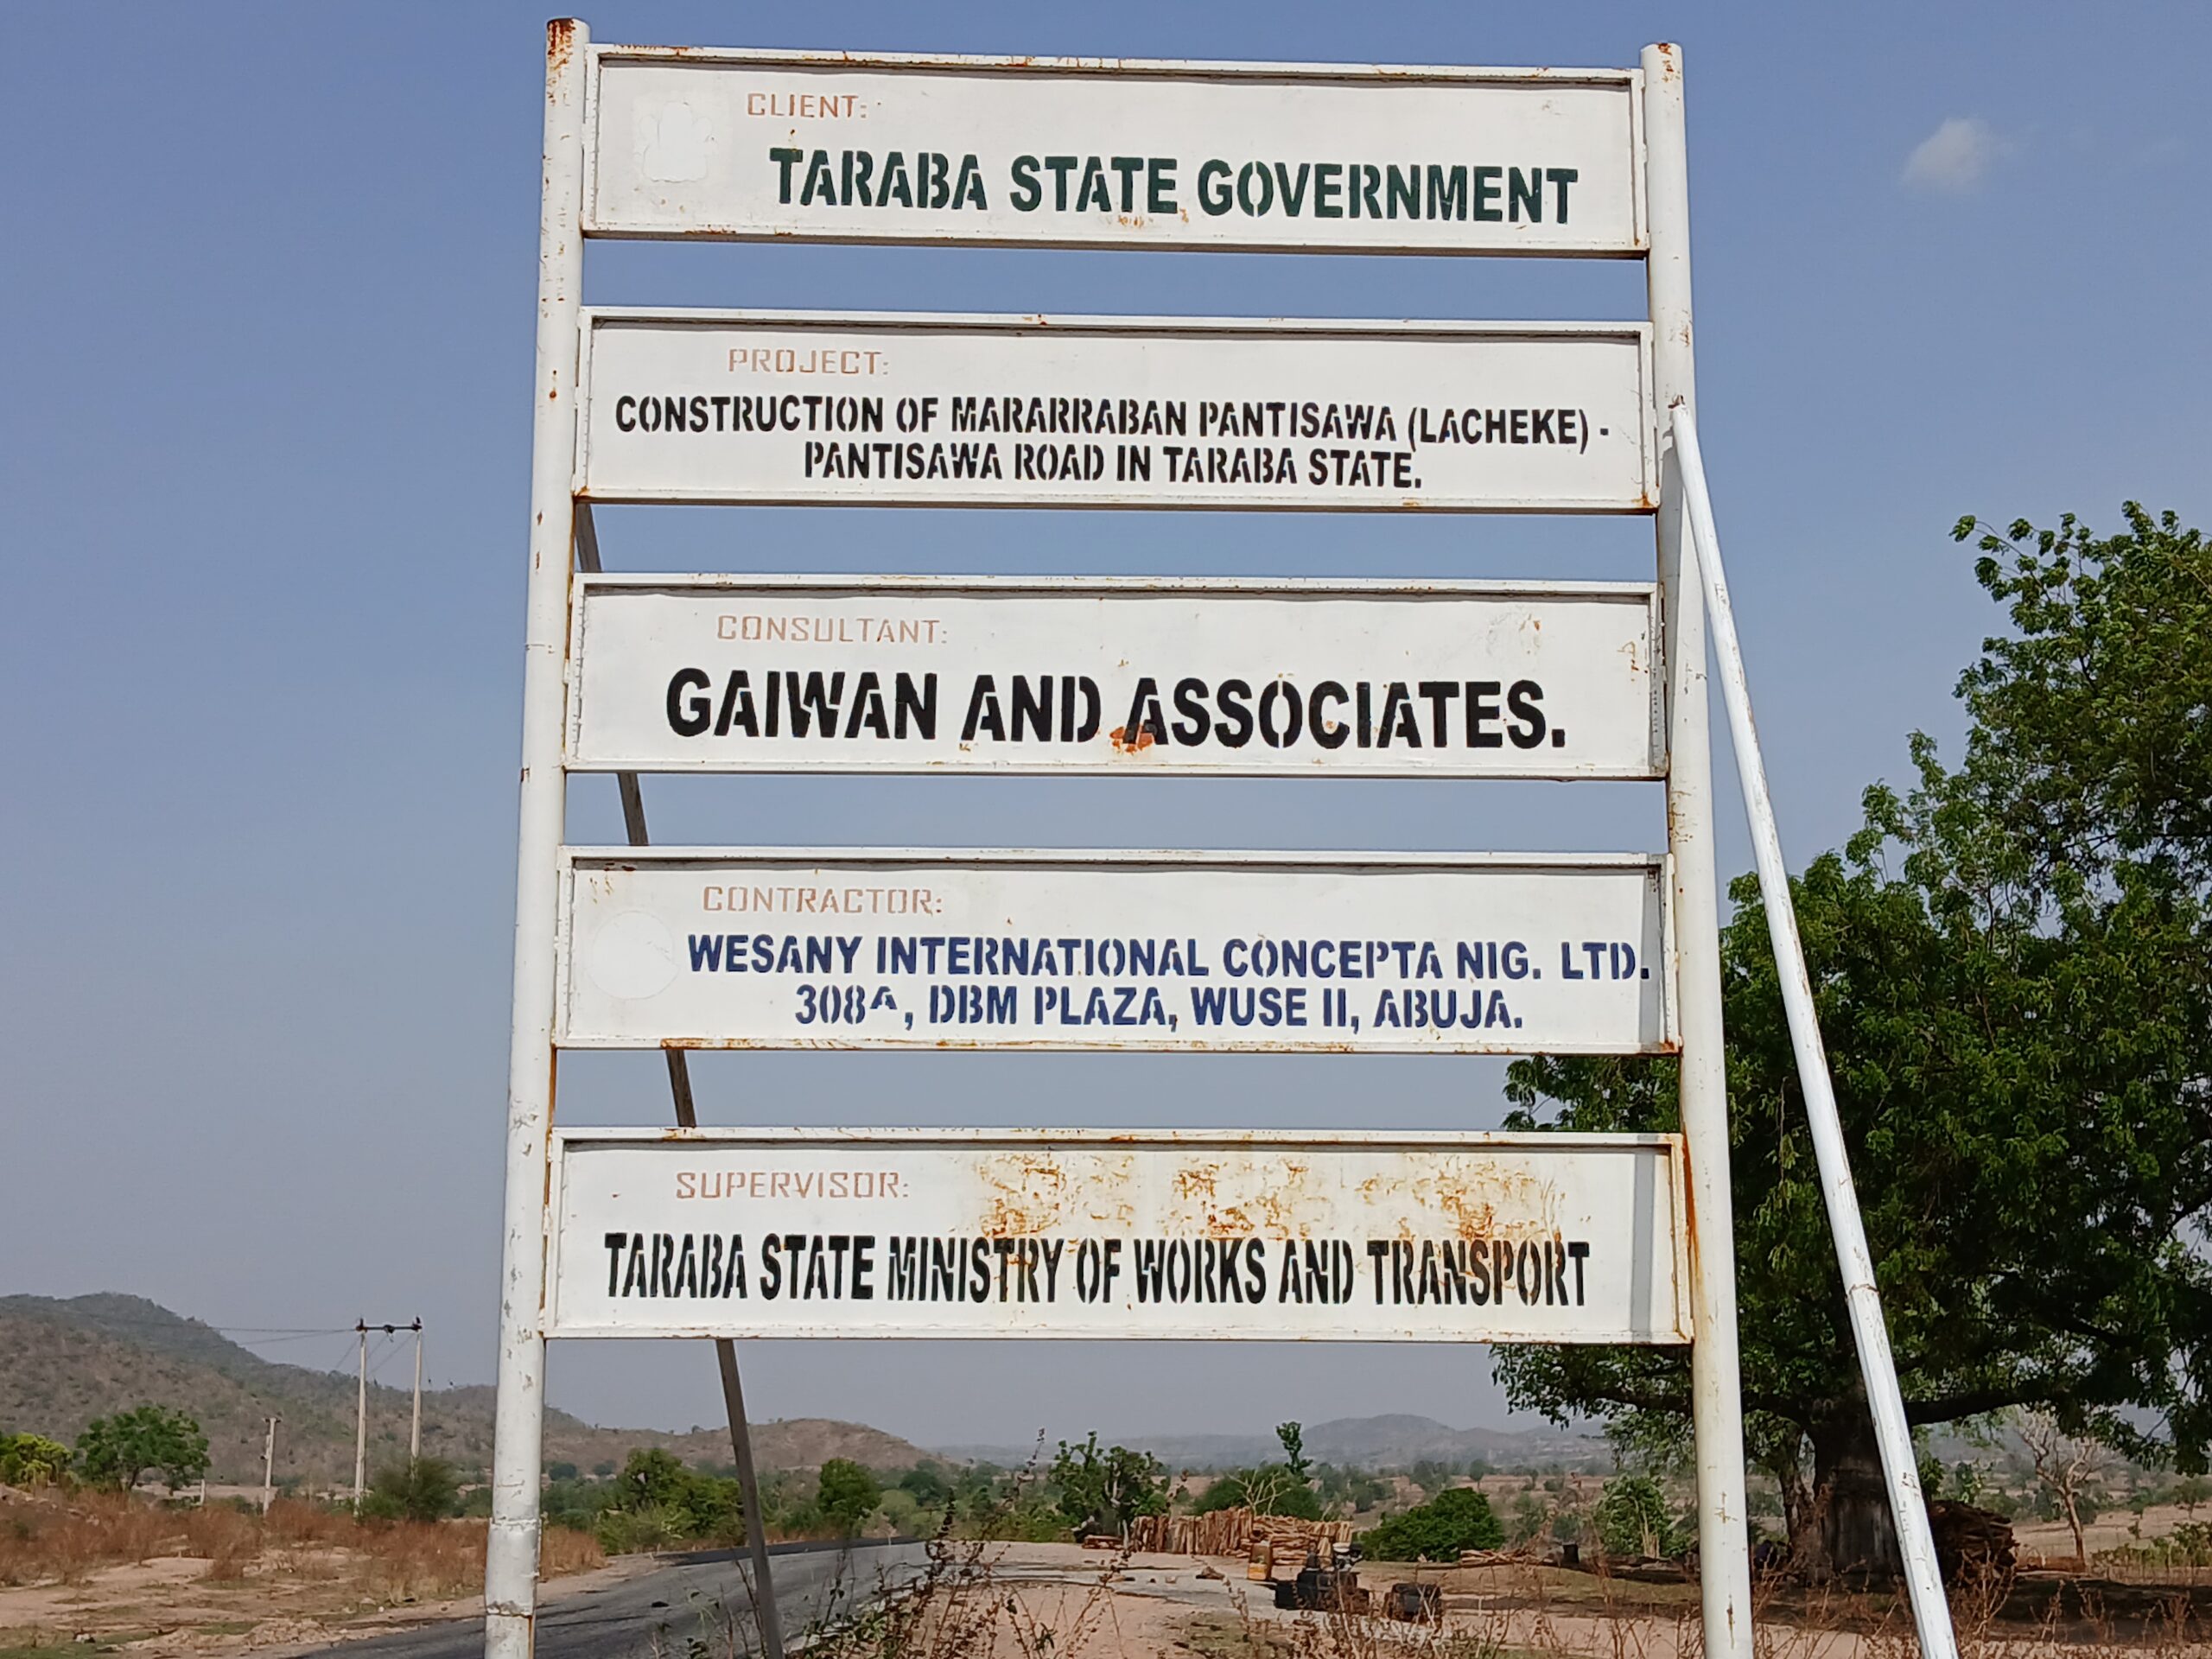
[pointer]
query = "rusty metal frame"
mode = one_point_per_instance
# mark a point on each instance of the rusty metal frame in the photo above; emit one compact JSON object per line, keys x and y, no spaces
{"x":1049,"y":1143}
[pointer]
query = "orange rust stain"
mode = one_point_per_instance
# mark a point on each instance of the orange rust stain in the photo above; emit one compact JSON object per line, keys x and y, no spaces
{"x":560,"y":42}
{"x":1196,"y":1182}
{"x":1029,"y":1195}
{"x":1137,"y":745}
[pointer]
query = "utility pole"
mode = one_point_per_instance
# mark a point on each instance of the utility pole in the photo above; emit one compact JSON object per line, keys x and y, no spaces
{"x":268,"y":1466}
{"x":361,"y":1420}
{"x":415,"y":1424}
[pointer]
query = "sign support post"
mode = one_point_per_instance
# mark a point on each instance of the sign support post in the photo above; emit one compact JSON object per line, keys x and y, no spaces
{"x":511,"y":1558}
{"x":687,"y":1117}
{"x":1877,"y":1364}
{"x":1717,"y":1408}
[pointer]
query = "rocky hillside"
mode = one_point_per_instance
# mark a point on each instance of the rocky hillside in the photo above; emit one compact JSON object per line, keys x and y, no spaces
{"x":63,"y":1363}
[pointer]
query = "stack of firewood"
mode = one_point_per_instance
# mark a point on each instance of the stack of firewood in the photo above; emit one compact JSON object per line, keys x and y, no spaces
{"x":1236,"y":1532}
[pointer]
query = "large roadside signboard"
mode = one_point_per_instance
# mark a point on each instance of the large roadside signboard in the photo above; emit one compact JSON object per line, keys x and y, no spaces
{"x":1158,"y":676}
{"x":1189,"y":952}
{"x":876,"y":409}
{"x":1345,"y":1237}
{"x":1337,"y":1233}
{"x":1114,"y":153}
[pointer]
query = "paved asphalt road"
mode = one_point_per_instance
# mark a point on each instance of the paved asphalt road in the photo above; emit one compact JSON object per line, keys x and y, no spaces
{"x":658,"y":1615}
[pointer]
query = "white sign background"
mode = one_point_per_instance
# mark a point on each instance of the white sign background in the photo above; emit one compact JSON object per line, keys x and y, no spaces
{"x":1563,"y":412}
{"x":1587,"y":651}
{"x":680,"y":147}
{"x":1568,"y":953}
{"x":1476,"y":1238}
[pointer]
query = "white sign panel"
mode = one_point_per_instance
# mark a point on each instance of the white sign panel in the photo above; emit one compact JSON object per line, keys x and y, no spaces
{"x":920,"y":410}
{"x":1384,"y":953}
{"x":1073,"y":1233}
{"x":1130,"y":677}
{"x":1126,"y":154}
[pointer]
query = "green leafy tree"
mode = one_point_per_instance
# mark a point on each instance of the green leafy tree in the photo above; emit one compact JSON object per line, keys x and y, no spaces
{"x":1101,"y":1491}
{"x":1292,"y":1436}
{"x":32,"y":1460}
{"x":2014,"y":975}
{"x":427,"y":1489}
{"x":652,"y":1479}
{"x":847,"y":1495}
{"x":1631,"y":1518}
{"x":927,"y":1486}
{"x":1437,"y":1530}
{"x":121,"y":1450}
{"x":667,"y":1502}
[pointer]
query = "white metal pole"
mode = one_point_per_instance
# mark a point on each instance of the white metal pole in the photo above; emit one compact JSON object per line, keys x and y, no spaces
{"x":1931,"y":1614}
{"x":361,"y":1420}
{"x":1717,"y":1409}
{"x":414,"y":1418}
{"x":269,"y":1467}
{"x":768,"y":1614}
{"x":510,"y":1554}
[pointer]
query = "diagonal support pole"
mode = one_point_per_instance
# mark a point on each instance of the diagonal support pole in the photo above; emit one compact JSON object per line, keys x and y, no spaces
{"x":687,"y":1117}
{"x":1931,"y":1614}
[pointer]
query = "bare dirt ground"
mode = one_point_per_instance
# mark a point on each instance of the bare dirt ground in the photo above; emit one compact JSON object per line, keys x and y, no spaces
{"x":98,"y":1572}
{"x":172,"y":1607}
{"x":1055,"y":1601}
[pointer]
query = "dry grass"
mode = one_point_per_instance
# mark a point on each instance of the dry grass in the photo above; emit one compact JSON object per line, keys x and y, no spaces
{"x":67,"y":1541}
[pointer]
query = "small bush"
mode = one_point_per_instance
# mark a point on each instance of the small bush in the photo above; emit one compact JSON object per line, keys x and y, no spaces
{"x":1269,"y":1489}
{"x":32,"y":1460}
{"x":1631,"y":1518}
{"x":1438,"y":1530}
{"x":629,"y":1532}
{"x":847,"y":1496}
{"x":424,"y":1490}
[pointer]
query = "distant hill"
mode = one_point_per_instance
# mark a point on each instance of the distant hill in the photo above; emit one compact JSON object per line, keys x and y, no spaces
{"x":1395,"y":1441}
{"x":63,"y":1363}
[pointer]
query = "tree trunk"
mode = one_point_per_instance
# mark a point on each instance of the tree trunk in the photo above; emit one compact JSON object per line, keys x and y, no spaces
{"x":1801,"y":1519}
{"x":1856,"y":1533}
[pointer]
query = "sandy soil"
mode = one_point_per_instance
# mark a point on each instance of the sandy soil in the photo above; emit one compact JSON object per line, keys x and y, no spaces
{"x":168,"y":1607}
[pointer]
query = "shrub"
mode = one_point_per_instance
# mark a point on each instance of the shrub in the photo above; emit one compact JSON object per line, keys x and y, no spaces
{"x":32,"y":1460}
{"x":626,"y":1531}
{"x":1438,"y":1530}
{"x":1631,"y":1518}
{"x":1269,"y":1490}
{"x":425,"y":1490}
{"x":847,"y":1495}
{"x":1103,"y":1491}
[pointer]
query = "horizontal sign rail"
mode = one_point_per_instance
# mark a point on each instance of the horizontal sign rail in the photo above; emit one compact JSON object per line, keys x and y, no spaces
{"x":915,"y":410}
{"x":1115,"y":153}
{"x":1126,"y":677}
{"x":1253,"y":1237}
{"x":1191,"y":952}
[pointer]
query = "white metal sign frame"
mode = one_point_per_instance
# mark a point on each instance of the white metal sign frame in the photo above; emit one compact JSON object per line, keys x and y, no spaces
{"x":1109,"y":677}
{"x":1251,"y":1235}
{"x":1662,"y":237}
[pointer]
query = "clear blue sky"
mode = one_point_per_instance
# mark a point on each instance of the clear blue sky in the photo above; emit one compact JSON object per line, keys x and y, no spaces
{"x":269,"y":274}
